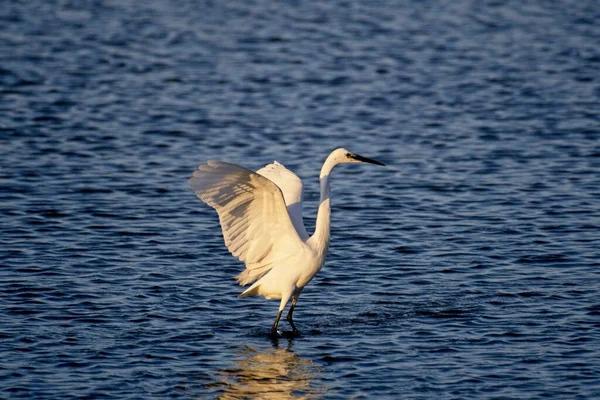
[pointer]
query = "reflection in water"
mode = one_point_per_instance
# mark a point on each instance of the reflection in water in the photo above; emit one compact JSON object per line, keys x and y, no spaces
{"x":270,"y":374}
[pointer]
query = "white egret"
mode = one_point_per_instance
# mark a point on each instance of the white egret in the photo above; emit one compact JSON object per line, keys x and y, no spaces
{"x":261,"y":219}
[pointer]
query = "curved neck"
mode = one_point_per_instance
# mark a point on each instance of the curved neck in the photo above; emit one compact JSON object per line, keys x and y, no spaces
{"x":323,"y":226}
{"x":322,"y":229}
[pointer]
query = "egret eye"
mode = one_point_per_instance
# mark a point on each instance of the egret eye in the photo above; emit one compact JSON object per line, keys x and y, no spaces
{"x":348,"y":155}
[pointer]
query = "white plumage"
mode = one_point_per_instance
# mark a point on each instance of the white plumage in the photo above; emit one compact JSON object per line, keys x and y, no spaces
{"x":261,"y":219}
{"x":291,"y":187}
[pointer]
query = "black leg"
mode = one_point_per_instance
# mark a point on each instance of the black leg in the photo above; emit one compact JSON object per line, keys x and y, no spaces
{"x":274,"y":328}
{"x":289,"y":316}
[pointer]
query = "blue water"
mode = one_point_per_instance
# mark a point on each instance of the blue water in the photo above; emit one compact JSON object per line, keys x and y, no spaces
{"x":469,"y":267}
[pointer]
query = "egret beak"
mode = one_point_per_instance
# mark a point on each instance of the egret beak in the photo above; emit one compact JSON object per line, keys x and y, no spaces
{"x":365,"y":159}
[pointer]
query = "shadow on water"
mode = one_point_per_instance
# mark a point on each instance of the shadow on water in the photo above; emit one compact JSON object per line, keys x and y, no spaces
{"x":271,"y":373}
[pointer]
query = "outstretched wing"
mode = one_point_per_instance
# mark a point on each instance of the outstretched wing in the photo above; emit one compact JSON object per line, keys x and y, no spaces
{"x":256,"y":226}
{"x":291,"y":187}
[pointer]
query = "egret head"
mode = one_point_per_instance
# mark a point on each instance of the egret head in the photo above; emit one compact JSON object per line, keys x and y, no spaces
{"x":342,"y":155}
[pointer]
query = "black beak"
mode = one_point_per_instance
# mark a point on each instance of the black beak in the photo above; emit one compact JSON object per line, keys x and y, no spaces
{"x":365,"y":159}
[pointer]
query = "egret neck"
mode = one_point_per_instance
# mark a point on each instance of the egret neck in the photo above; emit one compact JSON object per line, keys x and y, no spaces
{"x":322,"y":233}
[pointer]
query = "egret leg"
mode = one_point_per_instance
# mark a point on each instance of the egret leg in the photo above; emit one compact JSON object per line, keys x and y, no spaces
{"x":274,"y":327}
{"x":284,"y":299}
{"x":289,"y":316}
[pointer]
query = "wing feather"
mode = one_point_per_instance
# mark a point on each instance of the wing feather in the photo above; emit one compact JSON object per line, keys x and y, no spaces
{"x":291,"y":187}
{"x":254,"y":219}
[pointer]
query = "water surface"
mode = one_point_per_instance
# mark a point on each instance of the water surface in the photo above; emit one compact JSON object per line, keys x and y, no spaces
{"x":467,"y":268}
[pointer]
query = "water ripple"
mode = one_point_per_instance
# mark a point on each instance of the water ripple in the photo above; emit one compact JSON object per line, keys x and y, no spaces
{"x":468,"y":268}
